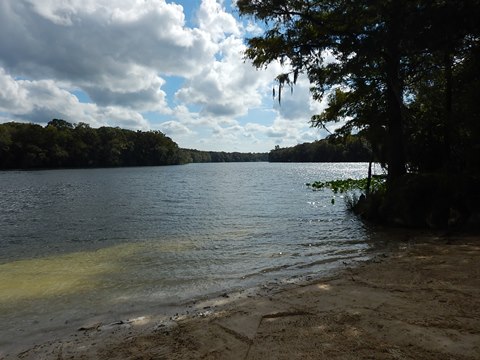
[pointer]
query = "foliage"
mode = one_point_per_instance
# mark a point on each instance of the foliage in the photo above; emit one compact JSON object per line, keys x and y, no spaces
{"x":431,"y":200}
{"x":198,"y":156}
{"x":443,"y":122}
{"x":355,"y":192}
{"x":61,"y":144}
{"x":404,"y":73}
{"x":344,"y":185}
{"x":347,"y":149}
{"x":363,"y":79}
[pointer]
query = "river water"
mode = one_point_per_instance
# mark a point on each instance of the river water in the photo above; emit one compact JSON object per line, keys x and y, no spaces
{"x":77,"y":244}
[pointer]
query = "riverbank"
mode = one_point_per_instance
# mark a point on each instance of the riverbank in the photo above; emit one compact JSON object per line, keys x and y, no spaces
{"x":418,"y":301}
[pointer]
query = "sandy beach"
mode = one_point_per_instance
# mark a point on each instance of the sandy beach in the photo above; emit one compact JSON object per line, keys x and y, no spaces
{"x":419,"y":300}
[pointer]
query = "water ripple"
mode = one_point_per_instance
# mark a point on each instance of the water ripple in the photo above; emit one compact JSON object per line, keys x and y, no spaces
{"x":190,"y":230}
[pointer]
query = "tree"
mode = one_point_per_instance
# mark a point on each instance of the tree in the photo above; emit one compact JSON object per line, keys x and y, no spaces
{"x":363,"y":36}
{"x":61,"y":144}
{"x":381,"y":49}
{"x":60,"y":124}
{"x":5,"y":144}
{"x":333,"y":149}
{"x":86,"y":143}
{"x":445,"y":40}
{"x":405,"y":75}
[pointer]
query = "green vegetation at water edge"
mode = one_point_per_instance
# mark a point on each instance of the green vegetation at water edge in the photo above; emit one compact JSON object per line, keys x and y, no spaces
{"x":341,"y":186}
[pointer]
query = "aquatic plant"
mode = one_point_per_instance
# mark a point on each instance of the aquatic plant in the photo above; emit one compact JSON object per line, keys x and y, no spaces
{"x":344,"y":185}
{"x":355,"y":191}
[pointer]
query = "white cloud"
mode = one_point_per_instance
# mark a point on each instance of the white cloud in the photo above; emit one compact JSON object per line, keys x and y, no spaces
{"x":106,"y":48}
{"x":213,"y":19}
{"x":12,"y":95}
{"x":123,"y":53}
{"x":173,"y":128}
{"x":296,"y":102}
{"x":42,"y":100}
{"x":230,"y":86}
{"x":253,"y":29}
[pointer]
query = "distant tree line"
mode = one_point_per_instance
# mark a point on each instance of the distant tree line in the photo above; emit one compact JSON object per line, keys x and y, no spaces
{"x":197,"y":156}
{"x":348,"y":149}
{"x":61,"y":144}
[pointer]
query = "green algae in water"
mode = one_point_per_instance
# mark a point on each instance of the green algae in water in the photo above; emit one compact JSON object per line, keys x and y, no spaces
{"x":74,"y":273}
{"x":59,"y":275}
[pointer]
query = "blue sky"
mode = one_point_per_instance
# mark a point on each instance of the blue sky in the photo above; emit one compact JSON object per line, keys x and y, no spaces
{"x":174,"y":66}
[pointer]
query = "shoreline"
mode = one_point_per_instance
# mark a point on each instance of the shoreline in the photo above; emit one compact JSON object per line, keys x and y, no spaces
{"x":419,"y":299}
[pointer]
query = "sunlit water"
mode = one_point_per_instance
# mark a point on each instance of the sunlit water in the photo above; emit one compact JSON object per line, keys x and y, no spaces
{"x":78,"y":244}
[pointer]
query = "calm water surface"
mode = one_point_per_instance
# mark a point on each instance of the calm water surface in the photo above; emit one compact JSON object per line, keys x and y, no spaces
{"x":76,"y":244}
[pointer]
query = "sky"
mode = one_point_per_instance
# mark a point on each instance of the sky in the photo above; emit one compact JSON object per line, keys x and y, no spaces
{"x":176,"y":66}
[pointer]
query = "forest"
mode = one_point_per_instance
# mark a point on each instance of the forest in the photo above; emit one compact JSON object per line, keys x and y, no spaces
{"x":61,"y":144}
{"x":405,"y":75}
{"x":333,"y":149}
{"x":198,"y":156}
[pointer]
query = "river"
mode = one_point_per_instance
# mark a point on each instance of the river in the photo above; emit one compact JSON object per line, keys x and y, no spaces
{"x":106,"y":243}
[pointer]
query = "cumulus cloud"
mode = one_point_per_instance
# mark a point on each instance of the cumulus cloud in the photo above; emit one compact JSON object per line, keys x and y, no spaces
{"x":294,"y":102}
{"x":42,"y":100}
{"x":215,"y":21}
{"x":122,"y":53}
{"x":230,"y":86}
{"x":111,"y":49}
{"x":175,"y":128}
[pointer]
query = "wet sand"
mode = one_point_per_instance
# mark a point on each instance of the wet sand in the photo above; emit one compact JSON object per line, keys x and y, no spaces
{"x":419,"y":300}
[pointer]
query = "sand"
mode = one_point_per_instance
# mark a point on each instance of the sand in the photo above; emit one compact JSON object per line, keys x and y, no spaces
{"x":420,"y":300}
